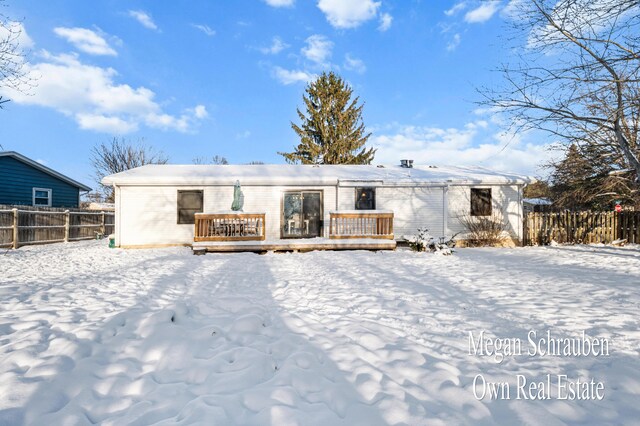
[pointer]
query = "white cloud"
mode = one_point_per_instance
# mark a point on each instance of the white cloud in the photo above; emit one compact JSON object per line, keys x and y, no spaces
{"x":243,"y":135}
{"x":385,"y":22}
{"x":287,"y":77}
{"x":200,"y":111}
{"x":280,"y":3}
{"x":143,"y":18}
{"x":318,"y":49}
{"x":475,"y":144}
{"x":456,"y":8}
{"x":90,"y":95}
{"x":205,"y":29}
{"x":453,"y":44}
{"x":105,"y":124}
{"x":85,"y":40}
{"x":513,"y":9}
{"x":354,"y":64}
{"x":15,"y":33}
{"x":277,"y":46}
{"x":168,"y":122}
{"x":482,"y":13}
{"x":348,"y":13}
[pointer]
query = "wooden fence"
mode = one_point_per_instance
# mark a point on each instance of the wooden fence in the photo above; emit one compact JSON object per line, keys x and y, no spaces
{"x":24,"y":227}
{"x":581,"y":227}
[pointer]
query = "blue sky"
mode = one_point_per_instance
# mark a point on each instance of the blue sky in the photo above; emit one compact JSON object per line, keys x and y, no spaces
{"x":209,"y":77}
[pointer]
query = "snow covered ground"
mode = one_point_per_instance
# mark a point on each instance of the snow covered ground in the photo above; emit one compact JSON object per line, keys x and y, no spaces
{"x":96,"y":335}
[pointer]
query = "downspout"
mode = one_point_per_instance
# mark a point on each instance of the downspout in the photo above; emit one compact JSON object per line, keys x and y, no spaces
{"x":326,"y":228}
{"x":117,"y":222}
{"x":520,"y":216}
{"x":445,"y":210}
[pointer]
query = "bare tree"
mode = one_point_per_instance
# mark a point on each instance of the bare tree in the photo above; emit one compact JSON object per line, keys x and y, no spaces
{"x":119,"y":155}
{"x":578,"y":76}
{"x":13,"y":72}
{"x":216,"y":159}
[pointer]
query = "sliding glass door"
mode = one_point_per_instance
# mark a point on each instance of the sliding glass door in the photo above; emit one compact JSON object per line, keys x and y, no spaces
{"x":301,"y":214}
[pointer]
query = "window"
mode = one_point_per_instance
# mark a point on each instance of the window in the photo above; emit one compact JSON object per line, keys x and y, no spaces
{"x":480,"y":202}
{"x":189,"y":203}
{"x":365,"y":198}
{"x":41,"y":197}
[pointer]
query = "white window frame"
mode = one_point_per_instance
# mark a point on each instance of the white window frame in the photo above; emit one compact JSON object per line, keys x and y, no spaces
{"x":33,"y":198}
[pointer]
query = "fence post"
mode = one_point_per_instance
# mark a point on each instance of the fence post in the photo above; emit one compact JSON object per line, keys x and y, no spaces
{"x":103,"y":228}
{"x":15,"y":228}
{"x":66,"y":226}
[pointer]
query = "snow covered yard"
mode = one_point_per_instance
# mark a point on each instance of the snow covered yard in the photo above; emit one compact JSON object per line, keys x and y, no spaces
{"x":95,"y":335}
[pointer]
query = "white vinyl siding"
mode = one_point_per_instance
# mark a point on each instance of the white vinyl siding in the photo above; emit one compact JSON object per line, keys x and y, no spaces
{"x":147,"y":215}
{"x":413,"y":208}
{"x":505,"y":201}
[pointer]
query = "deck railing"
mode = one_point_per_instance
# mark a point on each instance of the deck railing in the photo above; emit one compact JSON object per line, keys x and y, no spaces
{"x":229,"y":227}
{"x":361,"y":224}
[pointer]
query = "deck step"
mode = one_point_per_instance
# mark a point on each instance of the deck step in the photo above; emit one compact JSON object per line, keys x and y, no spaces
{"x":301,"y":245}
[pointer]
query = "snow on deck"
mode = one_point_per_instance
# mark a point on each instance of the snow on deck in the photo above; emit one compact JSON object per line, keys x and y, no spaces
{"x":96,"y":335}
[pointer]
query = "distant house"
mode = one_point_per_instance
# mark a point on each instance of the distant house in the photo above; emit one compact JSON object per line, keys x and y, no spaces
{"x":538,"y":205}
{"x":26,"y":182}
{"x":289,"y":205}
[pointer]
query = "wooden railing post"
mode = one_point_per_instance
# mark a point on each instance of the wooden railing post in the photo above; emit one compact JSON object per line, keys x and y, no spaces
{"x":66,"y":226}
{"x":15,"y":228}
{"x":363,"y":224}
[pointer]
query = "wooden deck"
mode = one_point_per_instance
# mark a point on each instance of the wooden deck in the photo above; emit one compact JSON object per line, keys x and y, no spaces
{"x":237,"y":232}
{"x":302,"y":244}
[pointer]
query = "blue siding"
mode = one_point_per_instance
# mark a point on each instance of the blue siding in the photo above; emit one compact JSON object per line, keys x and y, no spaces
{"x":18,"y":179}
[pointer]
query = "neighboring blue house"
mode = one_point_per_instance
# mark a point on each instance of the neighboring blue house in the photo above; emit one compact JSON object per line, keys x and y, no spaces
{"x":29,"y":183}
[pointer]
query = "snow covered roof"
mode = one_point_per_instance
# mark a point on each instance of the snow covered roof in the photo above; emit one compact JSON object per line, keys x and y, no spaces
{"x":285,"y":174}
{"x":538,"y":201}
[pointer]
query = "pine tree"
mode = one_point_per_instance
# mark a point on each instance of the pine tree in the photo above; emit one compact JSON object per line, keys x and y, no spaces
{"x":573,"y":180}
{"x":583,"y":181}
{"x":333,"y":131}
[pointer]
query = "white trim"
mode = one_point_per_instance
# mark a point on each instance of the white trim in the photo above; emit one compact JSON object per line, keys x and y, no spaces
{"x":49,"y":196}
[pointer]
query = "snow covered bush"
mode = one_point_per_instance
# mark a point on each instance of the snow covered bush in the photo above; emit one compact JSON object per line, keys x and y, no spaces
{"x":423,"y":241}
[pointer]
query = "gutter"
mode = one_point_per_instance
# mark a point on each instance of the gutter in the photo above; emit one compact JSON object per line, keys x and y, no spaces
{"x":326,"y":182}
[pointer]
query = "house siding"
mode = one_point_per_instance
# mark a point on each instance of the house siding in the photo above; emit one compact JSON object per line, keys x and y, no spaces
{"x":148,"y":214}
{"x":506,"y":200}
{"x":413,"y":208}
{"x":18,"y":179}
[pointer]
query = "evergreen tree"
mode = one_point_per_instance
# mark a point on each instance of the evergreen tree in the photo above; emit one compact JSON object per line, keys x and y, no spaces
{"x":333,"y":131}
{"x":583,"y":181}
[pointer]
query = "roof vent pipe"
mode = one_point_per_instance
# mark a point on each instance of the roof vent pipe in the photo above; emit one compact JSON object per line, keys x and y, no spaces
{"x":407,"y":164}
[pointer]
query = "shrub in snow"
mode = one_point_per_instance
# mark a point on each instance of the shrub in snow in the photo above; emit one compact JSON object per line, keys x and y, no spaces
{"x":423,"y":241}
{"x":484,"y":230}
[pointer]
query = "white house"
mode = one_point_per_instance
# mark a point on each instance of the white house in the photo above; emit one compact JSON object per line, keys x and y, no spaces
{"x":157,"y":205}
